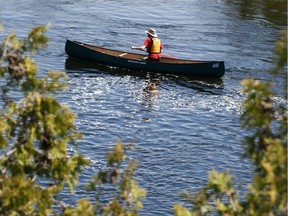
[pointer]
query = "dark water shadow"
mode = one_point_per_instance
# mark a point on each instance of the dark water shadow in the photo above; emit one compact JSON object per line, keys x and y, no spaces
{"x":78,"y":67}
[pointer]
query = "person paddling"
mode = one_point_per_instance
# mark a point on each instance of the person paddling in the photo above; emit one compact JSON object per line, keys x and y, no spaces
{"x":152,"y":45}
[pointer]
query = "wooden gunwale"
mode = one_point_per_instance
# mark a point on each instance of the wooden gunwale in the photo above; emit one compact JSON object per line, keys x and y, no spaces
{"x":134,"y":56}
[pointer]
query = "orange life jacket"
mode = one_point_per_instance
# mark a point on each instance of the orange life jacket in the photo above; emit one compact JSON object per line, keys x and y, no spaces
{"x":156,"y":46}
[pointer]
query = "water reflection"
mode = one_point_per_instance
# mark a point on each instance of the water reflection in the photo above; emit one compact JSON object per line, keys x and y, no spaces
{"x":152,"y":86}
{"x":272,"y":11}
{"x":150,"y":94}
{"x":73,"y":65}
{"x":200,"y":84}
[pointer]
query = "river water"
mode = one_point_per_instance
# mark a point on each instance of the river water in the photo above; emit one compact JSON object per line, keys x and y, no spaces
{"x":188,"y":126}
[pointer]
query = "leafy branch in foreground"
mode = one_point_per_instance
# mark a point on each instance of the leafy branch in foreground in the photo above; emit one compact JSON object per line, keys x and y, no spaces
{"x":267,"y":149}
{"x":117,"y":190}
{"x":127,"y":195}
{"x":35,"y":130}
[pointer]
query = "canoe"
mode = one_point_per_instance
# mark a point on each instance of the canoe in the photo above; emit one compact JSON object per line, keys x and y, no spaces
{"x":137,"y":62}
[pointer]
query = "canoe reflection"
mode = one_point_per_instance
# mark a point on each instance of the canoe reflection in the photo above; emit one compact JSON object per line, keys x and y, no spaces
{"x":79,"y":67}
{"x":74,"y":65}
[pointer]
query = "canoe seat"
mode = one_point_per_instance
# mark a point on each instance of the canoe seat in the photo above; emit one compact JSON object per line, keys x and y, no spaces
{"x":122,"y":54}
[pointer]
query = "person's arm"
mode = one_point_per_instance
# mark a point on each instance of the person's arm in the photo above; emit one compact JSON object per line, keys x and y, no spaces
{"x":142,"y":48}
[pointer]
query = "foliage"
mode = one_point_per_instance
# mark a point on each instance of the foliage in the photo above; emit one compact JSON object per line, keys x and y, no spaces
{"x":127,"y":194}
{"x":35,"y":130}
{"x":281,"y":51}
{"x":267,"y":149}
{"x":125,"y":198}
{"x":124,"y":193}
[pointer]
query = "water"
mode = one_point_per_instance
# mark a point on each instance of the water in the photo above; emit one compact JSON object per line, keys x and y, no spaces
{"x":189,"y":126}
